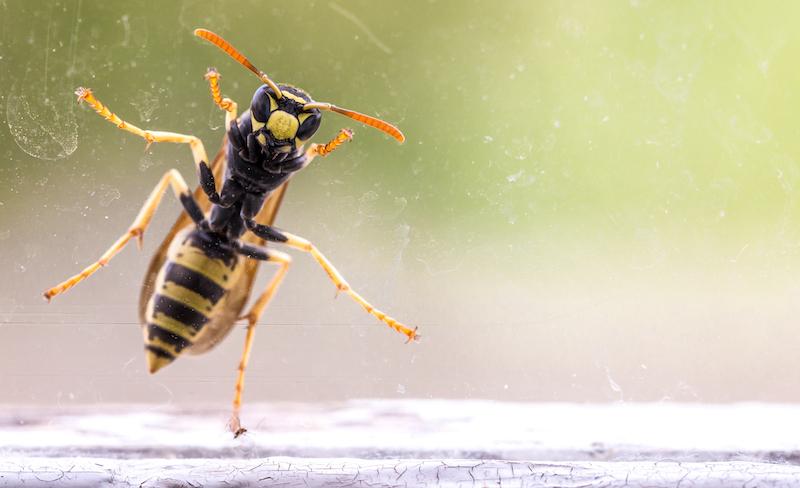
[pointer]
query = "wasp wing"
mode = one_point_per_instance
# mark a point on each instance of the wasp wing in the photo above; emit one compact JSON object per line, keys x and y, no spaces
{"x":223,"y":321}
{"x":218,"y":168}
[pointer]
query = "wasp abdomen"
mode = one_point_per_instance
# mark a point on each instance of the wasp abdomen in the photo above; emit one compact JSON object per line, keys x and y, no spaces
{"x":199,"y":270}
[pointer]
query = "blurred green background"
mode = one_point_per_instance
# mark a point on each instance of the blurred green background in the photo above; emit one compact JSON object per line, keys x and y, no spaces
{"x":597,"y":200}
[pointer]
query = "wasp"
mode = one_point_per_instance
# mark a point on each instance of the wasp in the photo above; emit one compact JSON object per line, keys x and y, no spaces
{"x":200,"y":278}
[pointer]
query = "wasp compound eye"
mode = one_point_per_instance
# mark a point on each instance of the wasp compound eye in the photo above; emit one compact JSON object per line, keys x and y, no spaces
{"x":262,"y":104}
{"x":309,"y":123}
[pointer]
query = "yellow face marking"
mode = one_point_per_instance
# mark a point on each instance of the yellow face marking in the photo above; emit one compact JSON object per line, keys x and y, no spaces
{"x":282,"y":125}
{"x":273,"y":104}
{"x":294,"y":97}
{"x":257,"y":125}
{"x":261,"y":139}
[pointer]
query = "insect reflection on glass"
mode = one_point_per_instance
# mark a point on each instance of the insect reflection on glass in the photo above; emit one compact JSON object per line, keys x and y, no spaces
{"x":200,"y":278}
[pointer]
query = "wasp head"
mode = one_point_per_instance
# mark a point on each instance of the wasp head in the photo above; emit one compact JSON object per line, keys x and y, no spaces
{"x":284,"y":117}
{"x":280,"y":124}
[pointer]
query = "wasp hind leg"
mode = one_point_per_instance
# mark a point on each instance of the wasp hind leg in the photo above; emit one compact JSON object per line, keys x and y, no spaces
{"x":283,"y":260}
{"x":171,"y":178}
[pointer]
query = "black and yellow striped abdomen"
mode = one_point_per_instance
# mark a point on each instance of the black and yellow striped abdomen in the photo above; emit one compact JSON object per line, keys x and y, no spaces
{"x":191,"y":286}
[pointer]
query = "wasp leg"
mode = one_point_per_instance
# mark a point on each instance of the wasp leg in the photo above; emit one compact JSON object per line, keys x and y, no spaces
{"x":315,"y":150}
{"x":151,"y":136}
{"x":283,"y":260}
{"x":226,"y":104}
{"x":171,"y":178}
{"x":198,"y":150}
{"x":272,"y":234}
{"x":338,"y":280}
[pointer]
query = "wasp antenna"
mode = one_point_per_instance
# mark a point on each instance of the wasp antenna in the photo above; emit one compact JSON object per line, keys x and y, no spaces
{"x":372,"y":122}
{"x":379,"y":124}
{"x":235,"y":54}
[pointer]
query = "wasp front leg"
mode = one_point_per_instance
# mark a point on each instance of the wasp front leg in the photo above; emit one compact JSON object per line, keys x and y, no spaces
{"x":171,"y":178}
{"x":207,"y":181}
{"x":226,"y":104}
{"x":315,"y":150}
{"x":283,"y":260}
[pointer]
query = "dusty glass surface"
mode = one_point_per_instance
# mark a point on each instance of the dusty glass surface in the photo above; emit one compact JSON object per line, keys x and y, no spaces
{"x":597,"y":201}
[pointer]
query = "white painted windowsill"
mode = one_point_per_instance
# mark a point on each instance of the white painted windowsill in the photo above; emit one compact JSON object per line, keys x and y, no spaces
{"x":405,"y":443}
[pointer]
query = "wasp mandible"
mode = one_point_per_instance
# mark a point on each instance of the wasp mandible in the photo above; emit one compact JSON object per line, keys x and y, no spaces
{"x":200,"y":278}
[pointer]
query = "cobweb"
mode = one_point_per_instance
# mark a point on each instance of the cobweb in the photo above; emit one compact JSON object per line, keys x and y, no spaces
{"x":40,"y":108}
{"x":44,"y":127}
